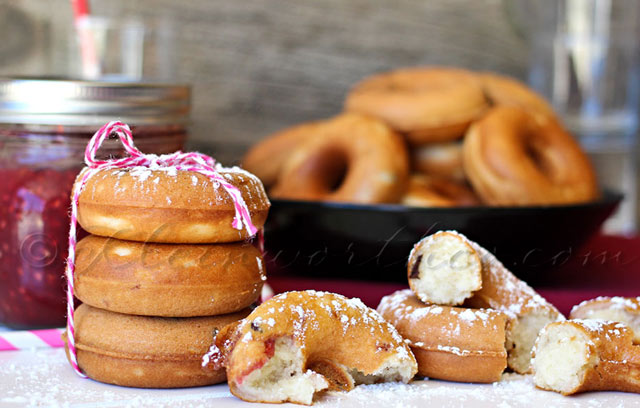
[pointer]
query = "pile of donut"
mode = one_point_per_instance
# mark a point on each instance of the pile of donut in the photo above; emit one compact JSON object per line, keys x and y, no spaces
{"x":433,"y":137}
{"x":162,"y":270}
{"x":465,"y":318}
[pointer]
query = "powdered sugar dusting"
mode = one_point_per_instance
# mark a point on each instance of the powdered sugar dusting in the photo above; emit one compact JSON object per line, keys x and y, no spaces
{"x":142,"y":173}
{"x":156,"y":183}
{"x":592,"y":324}
{"x":315,"y":313}
{"x":608,"y":329}
{"x":612,"y":303}
{"x":457,"y":350}
{"x":512,"y":295}
{"x":631,"y":303}
{"x":449,"y":330}
{"x":513,"y":391}
{"x":469,"y":315}
{"x":436,"y":310}
{"x":43,"y":378}
{"x":213,"y":356}
{"x":395,"y":304}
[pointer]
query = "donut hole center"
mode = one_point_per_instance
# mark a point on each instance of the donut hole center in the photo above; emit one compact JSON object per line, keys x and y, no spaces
{"x":443,"y":190}
{"x":331,"y":166}
{"x":537,"y":152}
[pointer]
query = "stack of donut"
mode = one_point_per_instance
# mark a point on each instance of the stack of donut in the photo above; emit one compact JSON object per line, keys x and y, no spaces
{"x":466,"y":317}
{"x":161,"y":272}
{"x":430,"y":137}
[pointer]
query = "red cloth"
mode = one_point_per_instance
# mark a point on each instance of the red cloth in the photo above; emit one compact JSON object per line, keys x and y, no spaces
{"x":606,"y":266}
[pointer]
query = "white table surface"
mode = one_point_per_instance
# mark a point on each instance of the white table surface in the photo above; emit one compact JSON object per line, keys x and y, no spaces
{"x":43,"y":378}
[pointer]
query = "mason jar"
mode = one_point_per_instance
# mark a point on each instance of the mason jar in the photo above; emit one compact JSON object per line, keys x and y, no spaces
{"x":45,"y":125}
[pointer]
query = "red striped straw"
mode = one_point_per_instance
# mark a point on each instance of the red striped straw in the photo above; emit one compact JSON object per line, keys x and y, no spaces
{"x":80,"y":8}
{"x":30,"y":339}
{"x":193,"y":161}
{"x":86,"y":40}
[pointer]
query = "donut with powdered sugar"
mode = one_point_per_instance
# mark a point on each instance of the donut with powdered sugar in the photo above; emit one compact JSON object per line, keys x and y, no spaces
{"x":618,"y":309}
{"x":586,"y":355}
{"x":300,"y":343}
{"x":166,"y":205}
{"x":449,"y":343}
{"x":528,"y":311}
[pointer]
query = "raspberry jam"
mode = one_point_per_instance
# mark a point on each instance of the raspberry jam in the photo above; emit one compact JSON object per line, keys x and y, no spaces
{"x":33,"y":227}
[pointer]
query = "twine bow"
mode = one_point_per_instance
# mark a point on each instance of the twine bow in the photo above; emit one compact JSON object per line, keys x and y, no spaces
{"x":192,"y":161}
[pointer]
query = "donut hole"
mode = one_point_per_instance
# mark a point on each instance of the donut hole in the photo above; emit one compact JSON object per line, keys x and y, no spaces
{"x":491,"y":102}
{"x":442,"y":190}
{"x":538,"y":152}
{"x":329,"y":167}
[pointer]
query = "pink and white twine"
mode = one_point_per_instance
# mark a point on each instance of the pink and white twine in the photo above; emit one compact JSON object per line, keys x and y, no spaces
{"x":193,"y":161}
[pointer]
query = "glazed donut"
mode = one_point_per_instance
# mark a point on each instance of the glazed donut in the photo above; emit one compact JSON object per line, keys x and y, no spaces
{"x":449,"y":343}
{"x":266,"y":159}
{"x":146,"y":352}
{"x":438,"y":159}
{"x":444,"y":269}
{"x":168,"y":206}
{"x":512,"y":158}
{"x":528,"y":311}
{"x":167,"y":280}
{"x":426,"y":191}
{"x":352,"y":158}
{"x":502,"y":90}
{"x":617,"y":309}
{"x":428,"y":104}
{"x":270,"y":354}
{"x":586,"y":355}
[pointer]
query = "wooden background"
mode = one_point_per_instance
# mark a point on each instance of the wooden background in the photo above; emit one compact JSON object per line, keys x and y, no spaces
{"x":258,"y":66}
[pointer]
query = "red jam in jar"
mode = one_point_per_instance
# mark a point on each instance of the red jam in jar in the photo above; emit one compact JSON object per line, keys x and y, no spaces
{"x":38,"y":165}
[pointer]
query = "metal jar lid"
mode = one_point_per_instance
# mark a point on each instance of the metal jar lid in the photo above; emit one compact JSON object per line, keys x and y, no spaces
{"x":53,"y":101}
